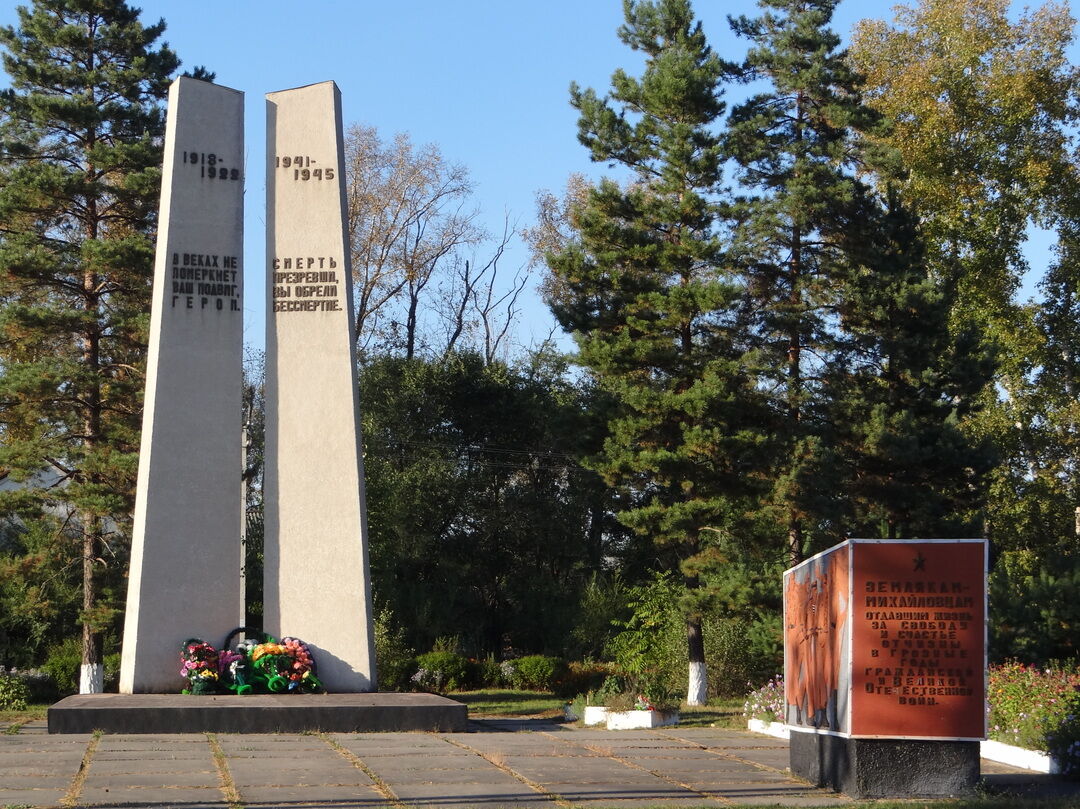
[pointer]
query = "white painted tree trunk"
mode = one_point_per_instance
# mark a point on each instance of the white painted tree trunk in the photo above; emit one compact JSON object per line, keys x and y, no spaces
{"x":91,"y":678}
{"x":696,"y":691}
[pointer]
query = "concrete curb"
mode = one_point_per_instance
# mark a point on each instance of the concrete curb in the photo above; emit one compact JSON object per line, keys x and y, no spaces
{"x":990,"y":750}
{"x":1019,"y":757}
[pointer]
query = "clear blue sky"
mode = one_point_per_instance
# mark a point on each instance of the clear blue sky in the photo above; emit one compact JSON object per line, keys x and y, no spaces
{"x":484,"y":79}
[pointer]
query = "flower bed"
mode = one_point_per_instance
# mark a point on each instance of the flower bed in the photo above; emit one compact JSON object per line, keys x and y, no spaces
{"x":1034,"y":719}
{"x":1037,"y":709}
{"x":766,"y":703}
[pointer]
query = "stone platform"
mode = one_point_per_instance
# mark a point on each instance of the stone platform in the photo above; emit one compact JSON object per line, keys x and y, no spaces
{"x":261,"y":713}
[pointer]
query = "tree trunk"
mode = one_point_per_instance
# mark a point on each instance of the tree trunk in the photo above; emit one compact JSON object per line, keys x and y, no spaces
{"x":91,"y":673}
{"x":696,"y":688}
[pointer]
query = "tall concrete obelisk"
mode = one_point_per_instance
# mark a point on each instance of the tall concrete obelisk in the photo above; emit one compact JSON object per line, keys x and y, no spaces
{"x":185,"y":556}
{"x":316,"y":582}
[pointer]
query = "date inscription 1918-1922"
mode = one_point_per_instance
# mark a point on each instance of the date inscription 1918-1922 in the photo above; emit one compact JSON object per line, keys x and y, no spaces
{"x":301,"y":166}
{"x":210,"y":165}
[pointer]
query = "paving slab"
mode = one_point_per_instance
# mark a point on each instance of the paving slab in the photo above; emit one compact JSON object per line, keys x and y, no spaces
{"x":52,"y":761}
{"x":492,"y":776}
{"x":34,"y":781}
{"x":119,"y":796}
{"x":582,"y":768}
{"x":157,"y":780}
{"x":353,"y":803}
{"x":120,"y":767}
{"x":261,"y":744}
{"x":258,"y":774}
{"x":650,"y":791}
{"x":621,"y":770}
{"x":31,"y":797}
{"x":459,"y":760}
{"x":470,"y":796}
{"x":301,"y":795}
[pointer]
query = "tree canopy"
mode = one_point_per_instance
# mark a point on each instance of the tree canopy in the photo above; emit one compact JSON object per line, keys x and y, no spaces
{"x":80,"y":143}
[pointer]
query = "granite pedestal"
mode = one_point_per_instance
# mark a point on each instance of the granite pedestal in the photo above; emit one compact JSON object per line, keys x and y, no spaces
{"x":886,"y":768}
{"x":260,"y":713}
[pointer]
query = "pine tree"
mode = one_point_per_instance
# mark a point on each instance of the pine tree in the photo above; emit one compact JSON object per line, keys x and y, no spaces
{"x":796,"y":151}
{"x":904,"y":388}
{"x":642,"y":289}
{"x":81,"y":152}
{"x":851,"y":325}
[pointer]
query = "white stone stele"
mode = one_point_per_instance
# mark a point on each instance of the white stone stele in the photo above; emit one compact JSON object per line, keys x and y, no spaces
{"x":634,"y":720}
{"x":316,"y":582}
{"x":185,"y":555}
{"x":776,"y":729}
{"x":595,"y":715}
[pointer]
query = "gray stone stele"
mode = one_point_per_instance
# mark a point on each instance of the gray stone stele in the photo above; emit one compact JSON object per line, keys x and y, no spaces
{"x":185,"y":568}
{"x":316,"y":581}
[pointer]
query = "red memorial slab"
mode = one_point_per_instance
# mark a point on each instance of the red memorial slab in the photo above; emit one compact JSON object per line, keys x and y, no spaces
{"x":887,"y":639}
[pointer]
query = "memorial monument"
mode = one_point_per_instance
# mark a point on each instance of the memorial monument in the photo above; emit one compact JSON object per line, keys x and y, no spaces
{"x":316,"y":582}
{"x":885,"y":666}
{"x":185,"y":553}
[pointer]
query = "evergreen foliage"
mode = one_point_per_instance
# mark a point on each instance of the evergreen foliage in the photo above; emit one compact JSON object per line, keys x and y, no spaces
{"x":796,"y":148}
{"x":481,"y":522}
{"x":643,"y":290}
{"x":849,"y":326}
{"x":81,"y":148}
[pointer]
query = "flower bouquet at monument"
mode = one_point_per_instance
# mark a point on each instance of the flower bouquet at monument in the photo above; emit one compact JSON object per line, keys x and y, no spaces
{"x":199,"y":665}
{"x":273,"y":666}
{"x":284,"y":666}
{"x":257,"y":664}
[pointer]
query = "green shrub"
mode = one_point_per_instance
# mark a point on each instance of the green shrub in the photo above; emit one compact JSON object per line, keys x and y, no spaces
{"x":111,"y":666}
{"x":441,"y":672}
{"x":62,"y":664}
{"x":486,"y":673}
{"x":580,"y":678}
{"x":651,"y":646}
{"x":39,"y":684}
{"x":395,"y":660}
{"x":1034,"y":612}
{"x":537,"y":672}
{"x":14,"y":694}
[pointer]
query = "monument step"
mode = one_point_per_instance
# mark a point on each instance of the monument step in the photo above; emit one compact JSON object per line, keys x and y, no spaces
{"x":259,"y":713}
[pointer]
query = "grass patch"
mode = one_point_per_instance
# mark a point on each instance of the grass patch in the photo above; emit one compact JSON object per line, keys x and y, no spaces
{"x":719,"y":713}
{"x":32,"y":712}
{"x":496,"y":702}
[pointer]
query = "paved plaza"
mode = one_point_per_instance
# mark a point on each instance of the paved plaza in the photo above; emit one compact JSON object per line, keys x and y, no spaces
{"x":498,"y":763}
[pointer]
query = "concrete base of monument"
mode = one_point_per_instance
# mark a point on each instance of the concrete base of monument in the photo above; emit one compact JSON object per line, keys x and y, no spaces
{"x":262,"y":713}
{"x":886,"y":768}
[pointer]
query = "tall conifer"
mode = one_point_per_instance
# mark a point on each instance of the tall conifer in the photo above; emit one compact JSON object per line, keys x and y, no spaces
{"x":81,"y":156}
{"x":642,"y":290}
{"x":796,"y":152}
{"x":852,"y":329}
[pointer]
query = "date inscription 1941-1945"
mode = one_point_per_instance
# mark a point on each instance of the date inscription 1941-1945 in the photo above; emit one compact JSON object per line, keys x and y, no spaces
{"x":302,"y":170}
{"x":210,"y":165}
